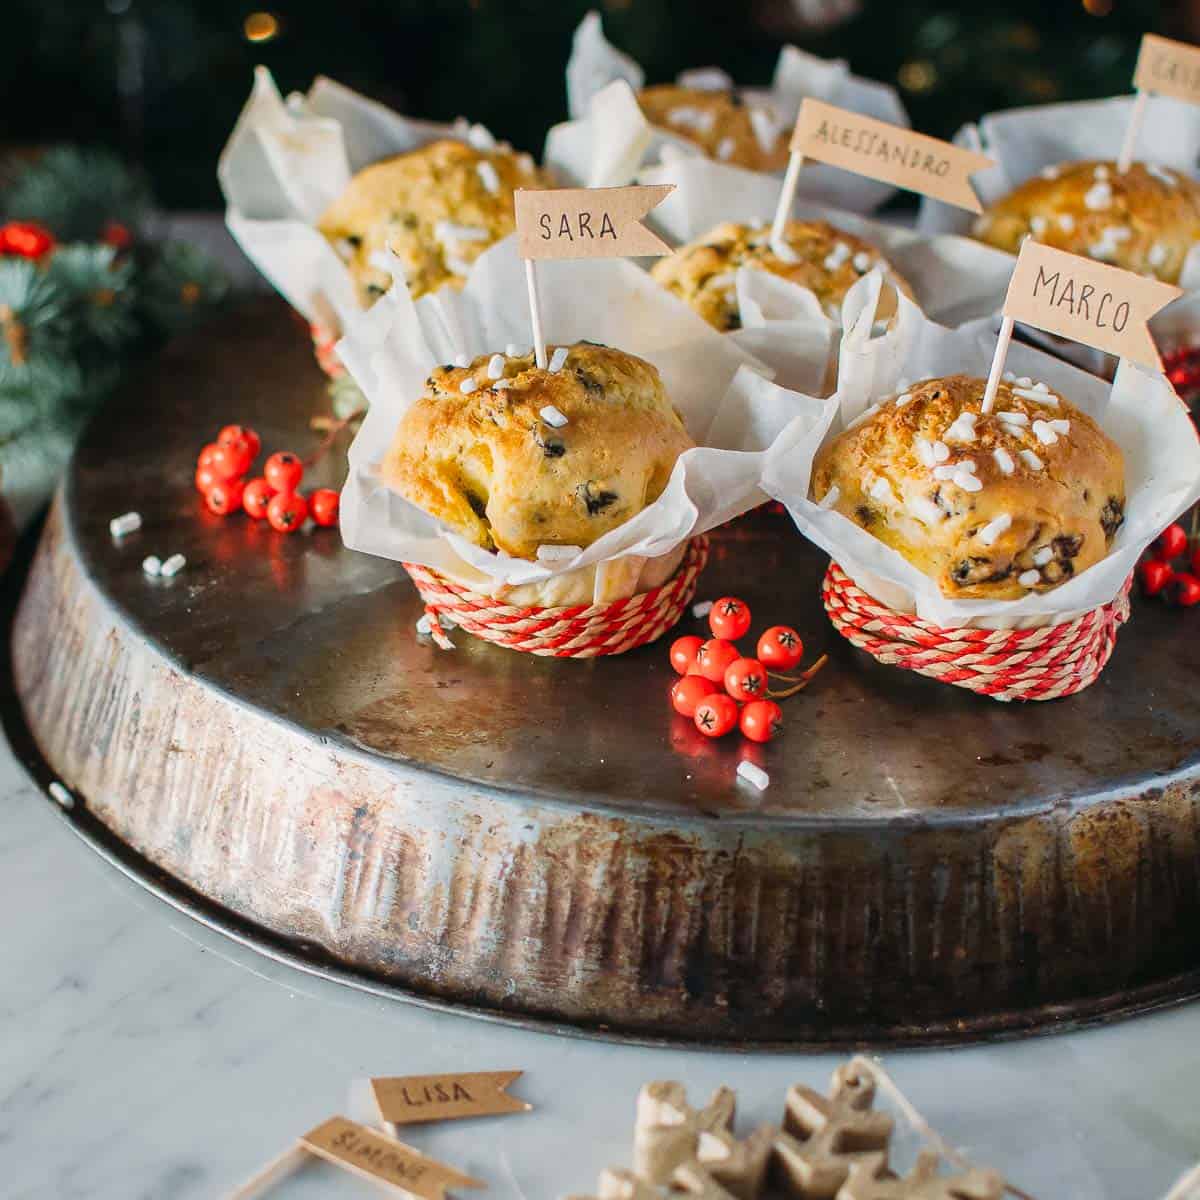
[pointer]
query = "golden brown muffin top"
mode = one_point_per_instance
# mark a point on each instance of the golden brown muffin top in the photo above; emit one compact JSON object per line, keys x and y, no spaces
{"x":991,"y":505}
{"x":513,"y":457}
{"x":724,"y":126}
{"x":437,"y":208}
{"x":813,"y":254}
{"x":1145,"y":220}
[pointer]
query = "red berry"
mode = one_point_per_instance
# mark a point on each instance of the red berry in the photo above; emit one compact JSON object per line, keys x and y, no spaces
{"x":1154,"y":575}
{"x":231,"y":460}
{"x":1185,"y":590}
{"x":287,"y":511}
{"x":256,"y":497}
{"x":683,"y":653}
{"x":761,"y":720}
{"x":26,"y":239}
{"x":205,"y":478}
{"x":324,"y":504}
{"x":745,"y":679}
{"x":116,"y":234}
{"x":780,"y":647}
{"x":716,"y":715}
{"x":687,"y":692}
{"x":284,"y":471}
{"x":205,"y":459}
{"x":729,"y":618}
{"x":713,"y":656}
{"x":225,"y":496}
{"x":1171,"y":543}
{"x":231,"y":433}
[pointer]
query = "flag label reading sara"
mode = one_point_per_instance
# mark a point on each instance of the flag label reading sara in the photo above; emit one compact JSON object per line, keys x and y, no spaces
{"x":588,"y":222}
{"x":1168,"y":68}
{"x":890,"y":153}
{"x":1089,"y":302}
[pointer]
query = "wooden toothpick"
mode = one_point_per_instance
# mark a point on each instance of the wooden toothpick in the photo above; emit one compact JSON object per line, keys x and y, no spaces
{"x":993,"y":383}
{"x":1131,"y":132}
{"x":787,"y":196}
{"x":277,"y":1170}
{"x":535,"y":314}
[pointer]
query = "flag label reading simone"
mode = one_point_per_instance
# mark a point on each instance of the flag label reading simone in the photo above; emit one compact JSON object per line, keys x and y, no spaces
{"x":1168,"y":68}
{"x":588,"y":222}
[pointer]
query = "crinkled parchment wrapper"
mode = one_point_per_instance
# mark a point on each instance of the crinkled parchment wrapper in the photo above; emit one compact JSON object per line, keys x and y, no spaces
{"x":1025,"y":140}
{"x":600,"y":151}
{"x":287,"y":161}
{"x":954,"y":279}
{"x":733,"y":412}
{"x":1139,"y":411}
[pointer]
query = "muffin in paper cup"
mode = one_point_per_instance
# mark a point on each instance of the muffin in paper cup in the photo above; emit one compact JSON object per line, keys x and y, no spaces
{"x":1138,"y":411}
{"x":705,"y":113}
{"x":1031,"y":143}
{"x":952,"y":279}
{"x":730,"y":409}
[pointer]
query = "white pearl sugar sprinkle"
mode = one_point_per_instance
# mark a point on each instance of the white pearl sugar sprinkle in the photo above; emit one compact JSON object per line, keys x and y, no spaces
{"x":1031,"y":460}
{"x":462,"y":360}
{"x":830,"y":498}
{"x":994,"y":528}
{"x":450,"y":231}
{"x":558,"y":553}
{"x":902,"y":400}
{"x":1004,"y":460}
{"x":558,"y":360}
{"x":152,"y":565}
{"x":468,"y":385}
{"x":512,"y":350}
{"x":129,"y":522}
{"x":1042,"y":556}
{"x":553,"y":417}
{"x":753,"y":774}
{"x":702,"y":608}
{"x":881,"y":490}
{"x":1098,"y":196}
{"x":863,"y":262}
{"x":963,"y":428}
{"x":495,"y":366}
{"x":1029,"y":579}
{"x":488,"y":176}
{"x":725,"y":149}
{"x":173,"y":566}
{"x":941,"y":452}
{"x":924,"y":449}
{"x":1012,"y":418}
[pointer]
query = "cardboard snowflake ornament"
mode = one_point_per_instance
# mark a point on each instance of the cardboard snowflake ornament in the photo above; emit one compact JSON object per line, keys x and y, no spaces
{"x":923,"y":1182}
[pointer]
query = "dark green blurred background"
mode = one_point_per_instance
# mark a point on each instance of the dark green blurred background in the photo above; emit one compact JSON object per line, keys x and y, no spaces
{"x":162,"y":80}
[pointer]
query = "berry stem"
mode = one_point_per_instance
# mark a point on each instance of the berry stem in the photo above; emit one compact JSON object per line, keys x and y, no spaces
{"x":332,"y":430}
{"x":801,"y":682}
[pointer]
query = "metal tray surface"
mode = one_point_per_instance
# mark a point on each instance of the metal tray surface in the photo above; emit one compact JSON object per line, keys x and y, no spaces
{"x":545,"y":838}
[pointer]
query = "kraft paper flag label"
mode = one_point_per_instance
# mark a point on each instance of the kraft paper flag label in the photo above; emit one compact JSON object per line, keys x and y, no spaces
{"x":910,"y":160}
{"x":382,"y":1159}
{"x":1089,"y":302}
{"x":409,"y":1099}
{"x":1168,"y":68}
{"x":589,"y":222}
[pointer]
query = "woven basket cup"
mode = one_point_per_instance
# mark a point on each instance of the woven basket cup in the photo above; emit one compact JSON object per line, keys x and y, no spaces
{"x":568,"y":631}
{"x":1045,"y":663}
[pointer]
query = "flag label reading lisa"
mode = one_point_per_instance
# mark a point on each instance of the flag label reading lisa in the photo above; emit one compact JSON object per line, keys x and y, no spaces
{"x":410,"y":1099}
{"x":1168,"y":68}
{"x":589,"y":222}
{"x":384,"y":1160}
{"x":889,"y":153}
{"x":1089,"y":302}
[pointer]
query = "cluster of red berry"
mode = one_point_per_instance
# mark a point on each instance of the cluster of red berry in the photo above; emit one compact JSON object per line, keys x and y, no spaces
{"x":1182,"y":367}
{"x":1157,"y":572}
{"x":717,"y":678}
{"x":221,"y":472}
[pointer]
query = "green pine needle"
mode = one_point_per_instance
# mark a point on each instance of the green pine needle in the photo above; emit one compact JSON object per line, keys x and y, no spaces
{"x":181,"y":286}
{"x":99,"y":291}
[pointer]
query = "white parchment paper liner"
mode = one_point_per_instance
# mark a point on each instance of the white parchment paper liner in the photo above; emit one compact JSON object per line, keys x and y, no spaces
{"x":286,"y":162}
{"x":1139,"y":411}
{"x":594,"y":152}
{"x":731,"y":409}
{"x":1023,"y":141}
{"x":955,"y":279}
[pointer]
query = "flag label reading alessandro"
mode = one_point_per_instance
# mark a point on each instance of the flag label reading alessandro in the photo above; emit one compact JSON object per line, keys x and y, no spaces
{"x":1086,"y":301}
{"x":588,"y":222}
{"x":887,"y":152}
{"x":1168,"y":68}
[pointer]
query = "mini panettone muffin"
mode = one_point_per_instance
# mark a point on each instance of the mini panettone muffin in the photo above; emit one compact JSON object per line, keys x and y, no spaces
{"x":723,"y":125}
{"x":1145,"y":220}
{"x":814,"y":254}
{"x":438,"y":208}
{"x":991,"y":505}
{"x":513,"y":457}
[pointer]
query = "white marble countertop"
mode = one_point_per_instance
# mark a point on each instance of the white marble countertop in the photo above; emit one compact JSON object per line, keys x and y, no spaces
{"x":145,"y":1058}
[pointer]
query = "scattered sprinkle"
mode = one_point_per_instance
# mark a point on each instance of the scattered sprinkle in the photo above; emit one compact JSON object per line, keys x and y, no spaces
{"x":502,"y":385}
{"x":766,"y":128}
{"x":753,"y":774}
{"x":462,"y":360}
{"x":128,"y":522}
{"x":512,"y":350}
{"x":1158,"y":255}
{"x":924,"y":510}
{"x":558,"y":360}
{"x":495,"y":367}
{"x":725,"y":148}
{"x":902,"y":400}
{"x":945,"y":472}
{"x":941,"y":452}
{"x":525,"y":163}
{"x":1013,"y":431}
{"x":488,"y":176}
{"x":1066,"y":223}
{"x":1013,"y":418}
{"x":1060,"y":425}
{"x":1098,"y":196}
{"x":1008,"y":377}
{"x":967,"y":481}
{"x":61,"y":794}
{"x":1162,"y":174}
{"x":784,"y":252}
{"x":456,"y":265}
{"x":1041,"y":387}
{"x":480,"y":137}
{"x":1042,"y":556}
{"x":1101,"y":172}
{"x":468,"y":385}
{"x":1028,"y":393}
{"x":687,"y":116}
{"x":837,"y":256}
{"x":963,"y":428}
{"x":450,"y":231}
{"x":1049,"y":172}
{"x":994,"y":528}
{"x":1045,"y":433}
{"x":830,"y":498}
{"x":1110,"y":241}
{"x":702,"y":608}
{"x":173,"y":566}
{"x":1029,"y":579}
{"x":705,"y":79}
{"x":881,"y":490}
{"x":1025,"y":382}
{"x":558,"y":553}
{"x":1038,"y":225}
{"x":924,"y":449}
{"x":553,"y":416}
{"x":1031,"y":460}
{"x":1004,"y":460}
{"x":152,"y":565}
